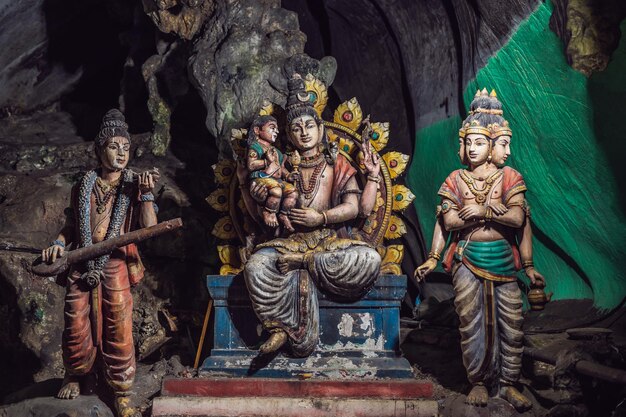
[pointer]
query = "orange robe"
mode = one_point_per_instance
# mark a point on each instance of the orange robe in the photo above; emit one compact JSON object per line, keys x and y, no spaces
{"x":100,"y":319}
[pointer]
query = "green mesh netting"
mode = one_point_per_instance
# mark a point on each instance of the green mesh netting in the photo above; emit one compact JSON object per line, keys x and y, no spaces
{"x":567,"y":143}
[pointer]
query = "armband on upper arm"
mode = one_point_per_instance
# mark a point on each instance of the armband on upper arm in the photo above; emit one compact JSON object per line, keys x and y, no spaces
{"x":446,"y":206}
{"x":526,"y":208}
{"x":350,"y":191}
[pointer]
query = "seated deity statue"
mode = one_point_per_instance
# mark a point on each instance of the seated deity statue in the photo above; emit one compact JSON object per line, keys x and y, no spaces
{"x":322,"y":251}
{"x":484,"y":209}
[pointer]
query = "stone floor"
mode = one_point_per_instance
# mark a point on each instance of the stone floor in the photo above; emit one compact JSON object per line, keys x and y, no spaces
{"x":432,"y":348}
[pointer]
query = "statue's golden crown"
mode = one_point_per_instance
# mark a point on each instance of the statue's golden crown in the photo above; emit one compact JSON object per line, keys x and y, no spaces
{"x":488,"y":104}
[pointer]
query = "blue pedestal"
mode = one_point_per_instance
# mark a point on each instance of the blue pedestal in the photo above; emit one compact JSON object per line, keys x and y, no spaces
{"x":357,"y":340}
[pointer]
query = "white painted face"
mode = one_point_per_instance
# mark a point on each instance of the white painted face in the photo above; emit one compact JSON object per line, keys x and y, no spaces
{"x":115,"y":153}
{"x":501,"y":150}
{"x":268,"y":132}
{"x":304,"y":133}
{"x":477,"y":149}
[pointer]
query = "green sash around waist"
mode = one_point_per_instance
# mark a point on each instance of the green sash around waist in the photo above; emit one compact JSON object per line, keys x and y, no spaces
{"x":490,"y":260}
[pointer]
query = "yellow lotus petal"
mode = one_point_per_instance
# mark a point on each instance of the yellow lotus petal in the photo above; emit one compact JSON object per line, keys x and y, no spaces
{"x":229,"y":255}
{"x":391,"y":269}
{"x":218,"y":199}
{"x":349,"y":114}
{"x":371,"y":223}
{"x":267,"y":109}
{"x":396,"y":163}
{"x":318,"y":93}
{"x":238,"y":142}
{"x":230,"y":270}
{"x":402,"y":197}
{"x":224,"y":171}
{"x":224,"y":229}
{"x":393,"y":254}
{"x":379,"y":201}
{"x":396,"y":228}
{"x":380,"y":135}
{"x":346,"y":145}
{"x":238,"y":134}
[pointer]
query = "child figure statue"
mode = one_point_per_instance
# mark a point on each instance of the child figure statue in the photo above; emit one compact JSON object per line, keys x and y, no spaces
{"x":484,"y":208}
{"x":267,"y":167}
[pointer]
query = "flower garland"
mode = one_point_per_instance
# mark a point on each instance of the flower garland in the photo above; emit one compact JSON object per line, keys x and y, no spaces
{"x":122,"y":201}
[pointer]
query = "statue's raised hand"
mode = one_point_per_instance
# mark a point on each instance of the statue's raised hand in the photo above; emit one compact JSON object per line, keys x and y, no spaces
{"x":147,"y":180}
{"x":371,"y":160}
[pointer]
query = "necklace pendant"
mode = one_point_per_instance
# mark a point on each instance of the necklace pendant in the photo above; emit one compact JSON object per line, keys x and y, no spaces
{"x":480,"y":198}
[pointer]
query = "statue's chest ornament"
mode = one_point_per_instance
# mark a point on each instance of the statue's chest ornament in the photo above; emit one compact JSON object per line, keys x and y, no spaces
{"x":313,"y":184}
{"x":480,"y":194}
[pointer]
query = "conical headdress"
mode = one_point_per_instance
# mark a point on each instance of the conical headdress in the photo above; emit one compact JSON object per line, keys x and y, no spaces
{"x":113,"y":124}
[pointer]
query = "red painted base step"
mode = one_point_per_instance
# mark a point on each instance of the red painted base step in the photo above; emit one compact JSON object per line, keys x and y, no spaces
{"x":270,"y":387}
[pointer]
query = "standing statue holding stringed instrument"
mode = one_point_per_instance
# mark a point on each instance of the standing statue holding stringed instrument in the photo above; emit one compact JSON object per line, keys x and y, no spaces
{"x":106,"y":202}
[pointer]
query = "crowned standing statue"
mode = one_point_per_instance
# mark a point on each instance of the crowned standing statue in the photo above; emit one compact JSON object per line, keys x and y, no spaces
{"x":484,"y":208}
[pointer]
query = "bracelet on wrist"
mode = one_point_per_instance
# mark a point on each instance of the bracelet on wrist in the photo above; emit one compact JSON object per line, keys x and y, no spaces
{"x":146,"y":197}
{"x":434,"y":255}
{"x":528,"y":264}
{"x":58,"y":242}
{"x":373,"y":178}
{"x":325,"y":218}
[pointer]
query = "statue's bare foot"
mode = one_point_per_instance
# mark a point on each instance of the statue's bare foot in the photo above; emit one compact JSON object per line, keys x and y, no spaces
{"x":269,"y":218}
{"x":123,"y":408}
{"x":284,"y":220}
{"x":513,"y":396}
{"x":70,"y":388}
{"x":478,"y":396}
{"x":276,"y":340}
{"x":289,"y":262}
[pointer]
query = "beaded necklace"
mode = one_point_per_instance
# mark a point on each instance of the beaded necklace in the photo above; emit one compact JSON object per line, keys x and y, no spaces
{"x":104,"y":192}
{"x":313,"y":184}
{"x":480,"y":195}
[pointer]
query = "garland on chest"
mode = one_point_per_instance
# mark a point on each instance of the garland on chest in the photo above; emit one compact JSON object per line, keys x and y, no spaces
{"x":120,"y":207}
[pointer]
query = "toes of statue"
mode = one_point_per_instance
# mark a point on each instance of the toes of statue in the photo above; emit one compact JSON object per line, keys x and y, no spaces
{"x":478,"y":396}
{"x":515,"y":398}
{"x":70,"y":388}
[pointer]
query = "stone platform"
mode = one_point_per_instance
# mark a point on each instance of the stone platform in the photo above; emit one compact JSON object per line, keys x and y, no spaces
{"x":230,"y":397}
{"x":357,"y":339}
